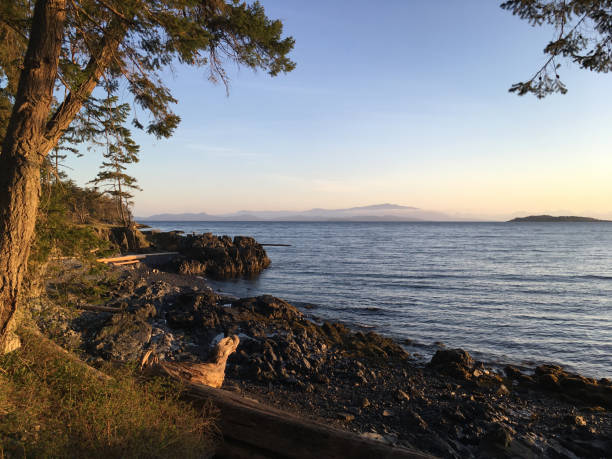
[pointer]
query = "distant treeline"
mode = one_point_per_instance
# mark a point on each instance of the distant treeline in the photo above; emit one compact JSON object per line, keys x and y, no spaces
{"x":550,"y":218}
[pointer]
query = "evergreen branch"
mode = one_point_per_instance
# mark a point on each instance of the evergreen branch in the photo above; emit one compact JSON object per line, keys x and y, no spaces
{"x":73,"y":102}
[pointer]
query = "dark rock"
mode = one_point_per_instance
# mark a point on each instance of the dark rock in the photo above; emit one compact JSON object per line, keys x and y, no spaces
{"x":372,"y":346}
{"x":413,"y":419}
{"x":585,"y":448}
{"x":402,"y":396}
{"x":502,"y":390}
{"x":335,"y":332}
{"x":453,"y":362}
{"x":447,"y":356}
{"x":125,"y":336}
{"x":512,"y":372}
{"x":575,"y":420}
{"x":219,"y":257}
{"x":348,"y":417}
{"x":553,"y":378}
{"x":191,"y":267}
{"x":125,"y":238}
{"x":193,"y":310}
{"x":268,"y":307}
{"x":496,"y":438}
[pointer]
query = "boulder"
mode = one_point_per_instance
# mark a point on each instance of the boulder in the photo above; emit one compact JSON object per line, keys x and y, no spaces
{"x":268,"y":307}
{"x":453,"y":362}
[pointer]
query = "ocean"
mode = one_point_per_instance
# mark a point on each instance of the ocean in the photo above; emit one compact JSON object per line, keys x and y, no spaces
{"x":519,"y":293}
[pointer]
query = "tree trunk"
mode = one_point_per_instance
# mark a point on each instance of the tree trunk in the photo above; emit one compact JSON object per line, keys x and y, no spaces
{"x":120,"y":200}
{"x":21,"y":156}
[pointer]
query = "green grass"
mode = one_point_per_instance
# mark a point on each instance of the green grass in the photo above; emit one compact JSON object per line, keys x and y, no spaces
{"x":94,"y":284}
{"x":54,"y":406}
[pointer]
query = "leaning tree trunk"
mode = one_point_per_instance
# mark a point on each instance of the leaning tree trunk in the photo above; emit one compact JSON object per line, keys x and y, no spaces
{"x":22,"y":155}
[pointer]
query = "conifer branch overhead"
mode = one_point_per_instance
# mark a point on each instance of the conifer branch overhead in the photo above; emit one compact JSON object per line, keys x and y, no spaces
{"x":583,"y":35}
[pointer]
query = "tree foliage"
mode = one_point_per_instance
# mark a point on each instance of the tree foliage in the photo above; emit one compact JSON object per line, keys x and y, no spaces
{"x":120,"y":150}
{"x":583,"y":35}
{"x":130,"y":42}
{"x":47,"y":45}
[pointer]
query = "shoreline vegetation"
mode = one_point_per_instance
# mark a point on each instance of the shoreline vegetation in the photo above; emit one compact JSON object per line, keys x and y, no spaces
{"x":317,"y":371}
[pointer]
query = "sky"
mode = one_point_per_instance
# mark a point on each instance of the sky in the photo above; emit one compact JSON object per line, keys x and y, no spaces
{"x":402,"y":102}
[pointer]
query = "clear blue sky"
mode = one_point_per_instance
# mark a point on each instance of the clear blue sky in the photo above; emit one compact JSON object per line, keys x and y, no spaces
{"x":400,"y":101}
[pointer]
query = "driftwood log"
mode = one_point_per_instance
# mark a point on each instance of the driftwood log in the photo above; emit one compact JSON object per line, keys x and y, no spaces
{"x":211,"y":373}
{"x":97,"y":308}
{"x":253,"y":430}
{"x":134,"y":259}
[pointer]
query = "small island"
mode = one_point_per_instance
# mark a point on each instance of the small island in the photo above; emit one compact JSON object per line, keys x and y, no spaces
{"x":550,"y":218}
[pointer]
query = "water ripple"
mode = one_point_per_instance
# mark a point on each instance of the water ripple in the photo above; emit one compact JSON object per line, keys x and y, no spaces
{"x":513,"y":293}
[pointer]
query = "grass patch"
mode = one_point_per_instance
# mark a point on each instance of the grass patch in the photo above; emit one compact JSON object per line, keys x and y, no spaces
{"x":54,"y":406}
{"x":91,"y":284}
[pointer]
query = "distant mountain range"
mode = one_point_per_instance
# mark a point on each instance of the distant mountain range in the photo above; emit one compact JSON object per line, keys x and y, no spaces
{"x":374,"y":213}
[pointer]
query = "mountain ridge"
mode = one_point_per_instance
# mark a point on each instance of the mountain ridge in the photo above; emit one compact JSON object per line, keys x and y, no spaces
{"x":375,"y":212}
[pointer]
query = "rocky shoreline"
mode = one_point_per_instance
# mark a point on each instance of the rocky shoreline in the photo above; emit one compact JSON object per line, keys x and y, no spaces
{"x":363,"y":382}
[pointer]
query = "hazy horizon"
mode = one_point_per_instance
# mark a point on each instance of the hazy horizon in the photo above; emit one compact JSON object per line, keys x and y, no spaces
{"x":413,"y":109}
{"x":458,"y":215}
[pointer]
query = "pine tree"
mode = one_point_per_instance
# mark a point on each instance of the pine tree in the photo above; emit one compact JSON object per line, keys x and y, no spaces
{"x":120,"y":150}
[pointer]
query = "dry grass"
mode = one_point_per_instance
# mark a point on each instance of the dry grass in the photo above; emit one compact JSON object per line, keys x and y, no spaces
{"x":54,"y":406}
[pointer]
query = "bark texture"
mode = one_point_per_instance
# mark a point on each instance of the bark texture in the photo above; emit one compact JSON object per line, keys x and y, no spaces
{"x":21,"y":156}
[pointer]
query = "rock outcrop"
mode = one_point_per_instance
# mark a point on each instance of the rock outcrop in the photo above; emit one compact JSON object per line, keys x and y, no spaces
{"x":573,"y":386}
{"x":125,"y":334}
{"x":216,"y":257}
{"x":547,"y":378}
{"x":125,"y":239}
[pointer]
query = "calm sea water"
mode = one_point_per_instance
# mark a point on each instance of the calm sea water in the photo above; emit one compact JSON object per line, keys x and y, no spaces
{"x":507,"y":292}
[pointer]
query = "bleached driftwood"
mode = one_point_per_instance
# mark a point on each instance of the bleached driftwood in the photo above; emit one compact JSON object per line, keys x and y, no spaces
{"x":138,"y":256}
{"x":133,"y":262}
{"x":211,"y":373}
{"x":121,"y":259}
{"x":97,"y":308}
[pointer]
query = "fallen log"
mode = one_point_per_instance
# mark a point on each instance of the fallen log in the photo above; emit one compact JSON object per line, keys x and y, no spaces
{"x":124,"y":263}
{"x":93,"y":307}
{"x":121,"y":258}
{"x":141,"y":256}
{"x":251,"y":429}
